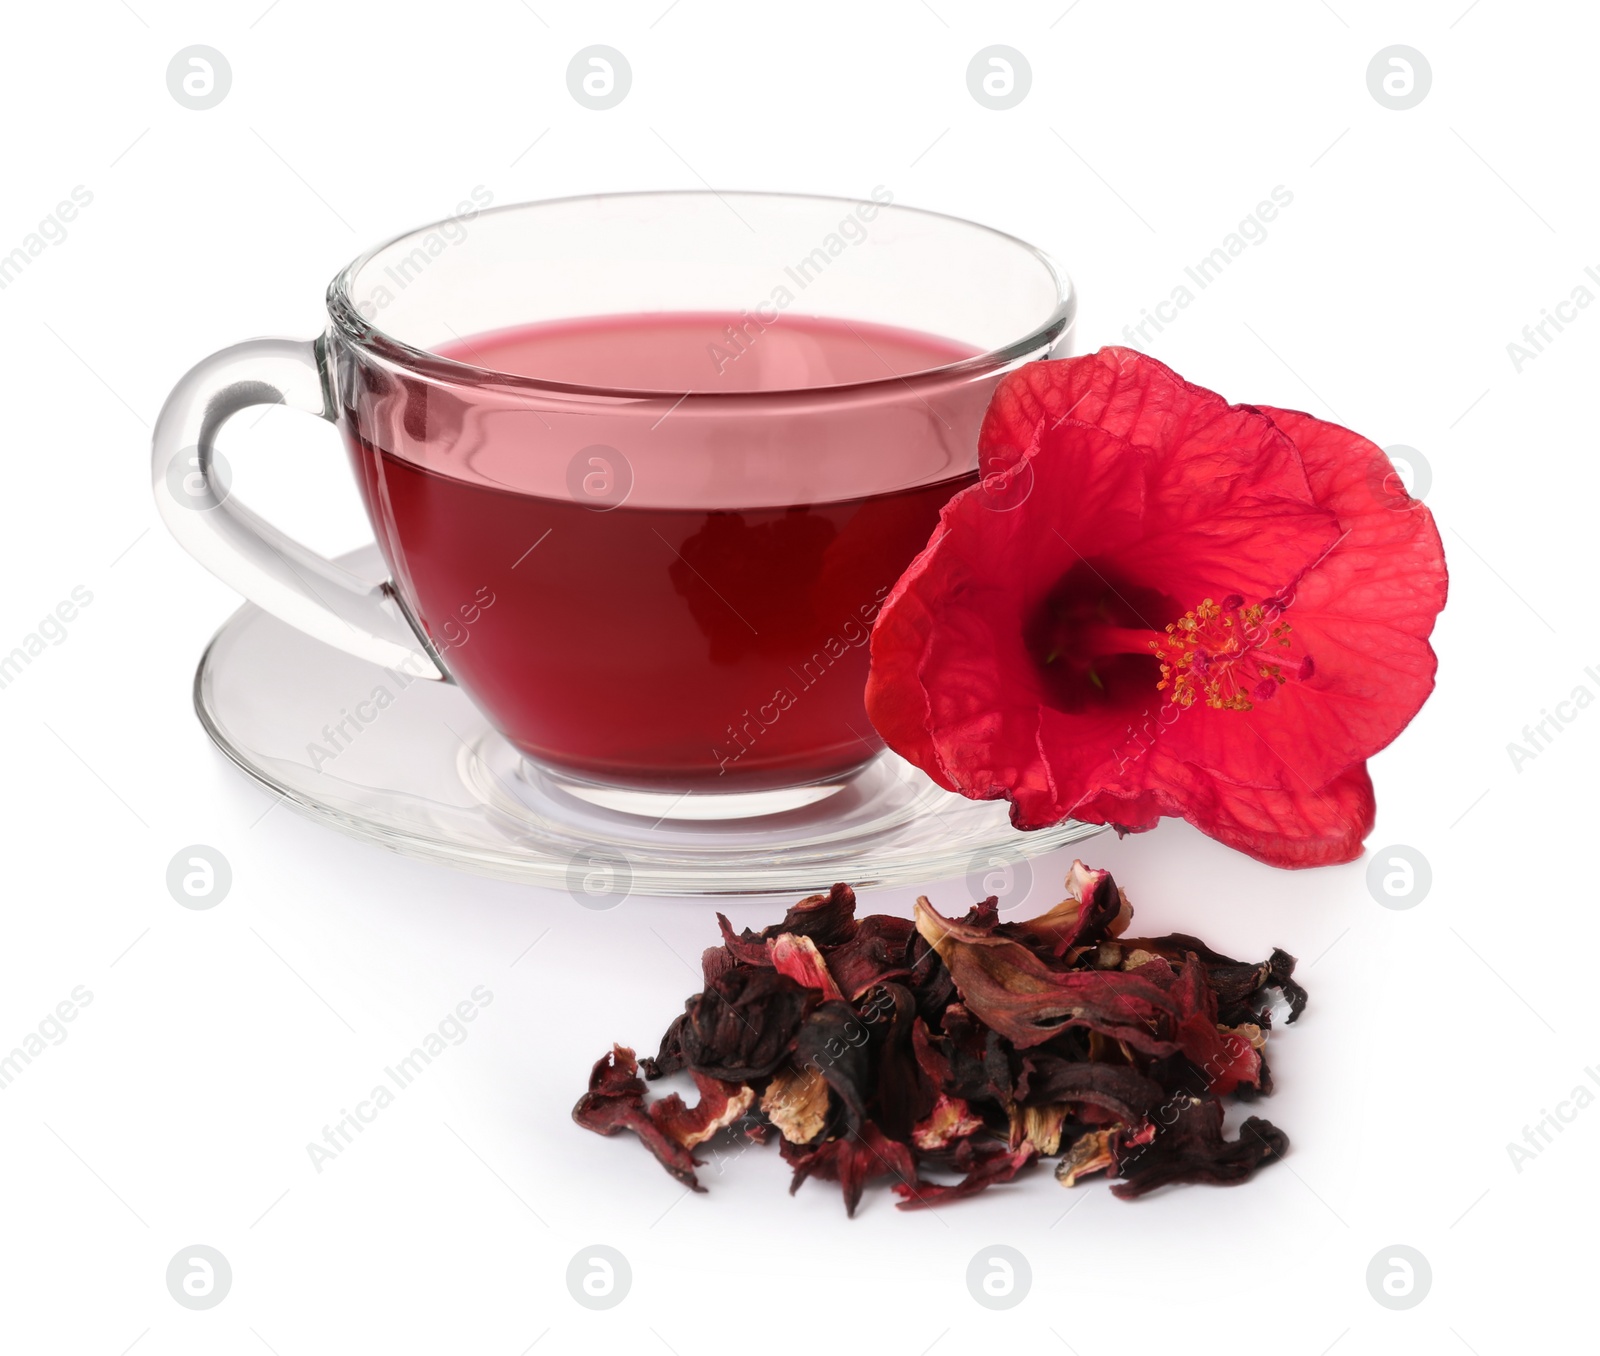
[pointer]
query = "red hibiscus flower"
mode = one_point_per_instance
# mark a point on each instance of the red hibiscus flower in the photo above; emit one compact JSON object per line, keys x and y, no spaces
{"x":1159,"y":604}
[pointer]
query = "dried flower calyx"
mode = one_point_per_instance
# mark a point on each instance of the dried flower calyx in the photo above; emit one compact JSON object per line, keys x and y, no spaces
{"x":946,"y":1054}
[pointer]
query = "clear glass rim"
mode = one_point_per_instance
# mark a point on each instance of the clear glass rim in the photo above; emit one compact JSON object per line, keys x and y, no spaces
{"x":363,"y":334}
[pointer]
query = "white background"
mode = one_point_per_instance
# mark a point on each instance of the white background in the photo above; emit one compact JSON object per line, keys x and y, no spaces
{"x":218,"y":1043}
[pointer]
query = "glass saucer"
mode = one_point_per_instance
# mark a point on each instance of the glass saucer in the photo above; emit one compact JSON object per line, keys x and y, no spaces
{"x":411,"y":764}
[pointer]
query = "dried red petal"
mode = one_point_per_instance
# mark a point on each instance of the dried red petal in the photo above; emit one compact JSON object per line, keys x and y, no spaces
{"x":1225,"y":1061}
{"x":741,"y":1027}
{"x":932,"y":1061}
{"x":669,"y":1059}
{"x":904,"y":1094}
{"x":796,"y":1101}
{"x":852,"y":1160}
{"x":829,"y":920}
{"x":799,"y":958}
{"x":1008,"y":988}
{"x":1088,"y":1153}
{"x":615,"y":1102}
{"x":1123,"y":1091}
{"x":1090,"y":913}
{"x":990,"y":1166}
{"x":745,"y":948}
{"x":1244,"y":990}
{"x":880,"y":950}
{"x":1191,"y":1148}
{"x":833,"y":1040}
{"x":716,"y":961}
{"x":720,"y":1105}
{"x":950,"y":1120}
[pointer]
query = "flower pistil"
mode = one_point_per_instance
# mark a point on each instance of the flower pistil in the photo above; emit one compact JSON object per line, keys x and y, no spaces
{"x":1224,"y":655}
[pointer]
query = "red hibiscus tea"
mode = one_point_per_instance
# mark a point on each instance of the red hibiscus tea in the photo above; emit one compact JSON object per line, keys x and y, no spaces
{"x":643,"y":468}
{"x":658,"y":590}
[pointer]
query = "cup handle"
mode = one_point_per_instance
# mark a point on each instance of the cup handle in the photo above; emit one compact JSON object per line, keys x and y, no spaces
{"x":273,"y":571}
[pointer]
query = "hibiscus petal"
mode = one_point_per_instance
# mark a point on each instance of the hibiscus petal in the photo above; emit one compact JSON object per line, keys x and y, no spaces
{"x":951,"y":1119}
{"x":740,"y":1028}
{"x":953,"y":688}
{"x":851,"y":1160}
{"x":1189,"y":1147}
{"x":989,"y":1168}
{"x":1309,"y":826}
{"x":796,"y":1101}
{"x":799,"y":958}
{"x":826,"y":919}
{"x":670,"y":1058}
{"x":720,"y":1105}
{"x":615,"y":1102}
{"x":1088,"y":1153}
{"x":1244,"y":990}
{"x":1125,"y":1091}
{"x":1008,"y":988}
{"x":834,"y":1042}
{"x":880,"y":950}
{"x":1227,"y":1062}
{"x":1092,"y":910}
{"x":901,"y":635}
{"x":904,"y":1095}
{"x":1366,"y":612}
{"x":1207,"y":452}
{"x":1363,"y":614}
{"x":1257,"y":541}
{"x":1039,"y":1126}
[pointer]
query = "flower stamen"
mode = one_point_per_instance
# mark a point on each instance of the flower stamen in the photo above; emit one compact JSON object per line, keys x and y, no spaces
{"x":1218,"y":654}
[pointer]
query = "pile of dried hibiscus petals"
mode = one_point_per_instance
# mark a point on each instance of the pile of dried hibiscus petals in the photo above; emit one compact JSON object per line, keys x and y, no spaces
{"x":891,"y":1047}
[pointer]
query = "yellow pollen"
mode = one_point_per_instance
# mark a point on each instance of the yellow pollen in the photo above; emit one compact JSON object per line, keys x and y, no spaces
{"x":1214,"y":655}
